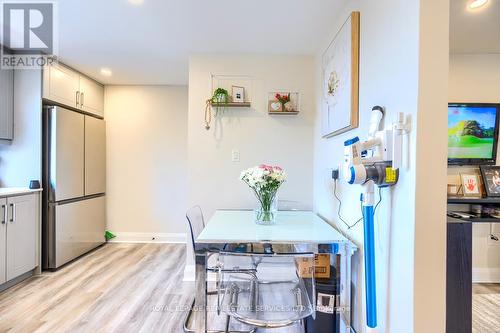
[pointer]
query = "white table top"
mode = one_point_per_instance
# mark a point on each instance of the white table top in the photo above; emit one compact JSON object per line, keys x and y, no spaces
{"x":228,"y":226}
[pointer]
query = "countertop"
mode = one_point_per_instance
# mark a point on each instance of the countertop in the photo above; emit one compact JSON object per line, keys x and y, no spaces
{"x":13,"y":191}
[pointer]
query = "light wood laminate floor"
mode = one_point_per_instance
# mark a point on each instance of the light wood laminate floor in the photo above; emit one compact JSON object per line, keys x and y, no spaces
{"x":116,"y":288}
{"x":486,"y":308}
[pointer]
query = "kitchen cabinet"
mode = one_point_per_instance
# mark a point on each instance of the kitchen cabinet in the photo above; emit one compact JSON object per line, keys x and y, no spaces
{"x":91,"y":96}
{"x":68,"y":87}
{"x":19,"y":231}
{"x":61,"y":85}
{"x":3,"y":238}
{"x":6,"y":104}
{"x":21,"y":235}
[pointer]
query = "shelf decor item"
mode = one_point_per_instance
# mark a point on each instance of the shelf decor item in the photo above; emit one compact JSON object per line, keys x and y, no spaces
{"x":491,"y":179}
{"x":454,"y":186}
{"x":284,"y":103}
{"x":264,"y":180}
{"x":340,"y":91}
{"x":470,"y":185}
{"x":283,"y":99}
{"x":238,"y":94}
{"x":219,"y":100}
{"x":275,"y":106}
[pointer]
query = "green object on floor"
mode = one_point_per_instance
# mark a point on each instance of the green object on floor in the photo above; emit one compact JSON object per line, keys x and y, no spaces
{"x":109,"y":235}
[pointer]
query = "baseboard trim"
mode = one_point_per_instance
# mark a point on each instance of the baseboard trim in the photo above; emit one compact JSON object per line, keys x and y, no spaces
{"x":148,"y":237}
{"x":486,"y":275}
{"x":16,"y":280}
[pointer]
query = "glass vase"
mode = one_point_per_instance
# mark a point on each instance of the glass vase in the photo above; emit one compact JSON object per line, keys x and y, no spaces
{"x":266,"y":214}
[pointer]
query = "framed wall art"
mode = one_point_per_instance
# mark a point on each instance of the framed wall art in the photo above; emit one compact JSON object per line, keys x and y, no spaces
{"x":491,"y":179}
{"x":340,"y":88}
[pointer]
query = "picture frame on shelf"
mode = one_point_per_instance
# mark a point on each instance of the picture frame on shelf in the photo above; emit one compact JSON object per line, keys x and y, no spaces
{"x":454,"y":186}
{"x":238,"y":94}
{"x":471,"y":185}
{"x":491,"y":179}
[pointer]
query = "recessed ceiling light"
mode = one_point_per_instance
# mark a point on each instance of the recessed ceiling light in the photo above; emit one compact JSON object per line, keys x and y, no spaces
{"x":136,"y":2}
{"x":475,"y":4}
{"x":106,"y":72}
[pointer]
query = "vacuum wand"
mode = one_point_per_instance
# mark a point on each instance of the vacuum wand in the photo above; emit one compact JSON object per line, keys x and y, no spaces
{"x":369,"y":253}
{"x":371,"y":163}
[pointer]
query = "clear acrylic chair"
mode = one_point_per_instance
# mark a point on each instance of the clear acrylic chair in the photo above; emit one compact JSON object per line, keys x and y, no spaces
{"x":279,"y":294}
{"x":196,"y":224}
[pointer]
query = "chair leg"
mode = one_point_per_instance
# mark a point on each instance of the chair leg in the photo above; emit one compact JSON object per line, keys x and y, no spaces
{"x":228,"y":319}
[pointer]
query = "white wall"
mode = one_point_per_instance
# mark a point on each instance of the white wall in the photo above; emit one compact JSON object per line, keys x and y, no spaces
{"x":476,"y":78}
{"x":403,"y":67}
{"x":146,"y":161}
{"x":213,"y":180}
{"x":21,"y":161}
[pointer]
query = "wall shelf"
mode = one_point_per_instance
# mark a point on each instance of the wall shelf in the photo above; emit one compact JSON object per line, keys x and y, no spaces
{"x":475,"y":219}
{"x":472,"y":201}
{"x":284,"y":113}
{"x":232,"y":105}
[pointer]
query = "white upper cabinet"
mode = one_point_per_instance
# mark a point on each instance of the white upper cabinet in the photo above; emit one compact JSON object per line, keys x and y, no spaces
{"x":6,"y":104}
{"x":91,"y":96}
{"x":66,"y":86}
{"x":61,"y":84}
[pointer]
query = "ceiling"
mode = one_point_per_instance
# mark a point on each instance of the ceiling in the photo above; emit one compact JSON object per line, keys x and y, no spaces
{"x":151,"y":43}
{"x":475,"y":31}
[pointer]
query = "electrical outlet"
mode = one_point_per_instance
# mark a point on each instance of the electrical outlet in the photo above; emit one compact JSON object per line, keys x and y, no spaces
{"x":235,"y":155}
{"x":335,"y":174}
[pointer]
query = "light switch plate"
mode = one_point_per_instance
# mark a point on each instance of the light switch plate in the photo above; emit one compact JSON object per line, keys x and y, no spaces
{"x":235,"y":155}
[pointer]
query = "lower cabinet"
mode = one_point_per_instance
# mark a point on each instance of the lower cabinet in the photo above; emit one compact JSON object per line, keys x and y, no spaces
{"x":3,"y":239}
{"x":18,"y":230}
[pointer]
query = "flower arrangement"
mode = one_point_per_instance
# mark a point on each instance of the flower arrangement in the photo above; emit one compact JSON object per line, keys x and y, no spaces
{"x":264,"y":180}
{"x":283,"y":99}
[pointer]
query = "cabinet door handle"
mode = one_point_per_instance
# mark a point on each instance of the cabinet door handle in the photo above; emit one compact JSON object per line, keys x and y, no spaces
{"x":4,"y":207}
{"x":13,"y":216}
{"x":77,"y":98}
{"x":82,"y":99}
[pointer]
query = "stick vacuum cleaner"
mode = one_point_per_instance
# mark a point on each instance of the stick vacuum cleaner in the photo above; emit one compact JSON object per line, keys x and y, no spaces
{"x":374,"y":162}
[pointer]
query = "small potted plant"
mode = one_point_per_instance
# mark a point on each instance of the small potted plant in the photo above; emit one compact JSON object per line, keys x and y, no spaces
{"x":220,"y":99}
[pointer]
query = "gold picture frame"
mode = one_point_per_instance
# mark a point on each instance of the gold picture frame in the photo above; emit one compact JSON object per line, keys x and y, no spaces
{"x":471,"y":185}
{"x":340,"y":91}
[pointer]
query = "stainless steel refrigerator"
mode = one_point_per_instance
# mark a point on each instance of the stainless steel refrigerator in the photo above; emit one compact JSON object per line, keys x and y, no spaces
{"x":74,"y":182}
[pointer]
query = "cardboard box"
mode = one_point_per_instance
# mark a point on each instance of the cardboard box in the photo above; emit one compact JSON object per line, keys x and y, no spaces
{"x":321,"y":266}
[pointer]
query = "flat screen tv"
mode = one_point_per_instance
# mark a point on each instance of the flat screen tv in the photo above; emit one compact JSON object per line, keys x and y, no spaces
{"x":472,"y":133}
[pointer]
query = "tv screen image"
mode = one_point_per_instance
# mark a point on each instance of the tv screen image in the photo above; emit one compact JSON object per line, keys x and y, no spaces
{"x":472,"y":132}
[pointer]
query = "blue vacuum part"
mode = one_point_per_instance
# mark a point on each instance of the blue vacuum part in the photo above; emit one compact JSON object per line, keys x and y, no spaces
{"x":370,"y":281}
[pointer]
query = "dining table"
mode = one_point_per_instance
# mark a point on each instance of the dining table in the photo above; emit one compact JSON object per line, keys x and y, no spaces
{"x":296,"y":231}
